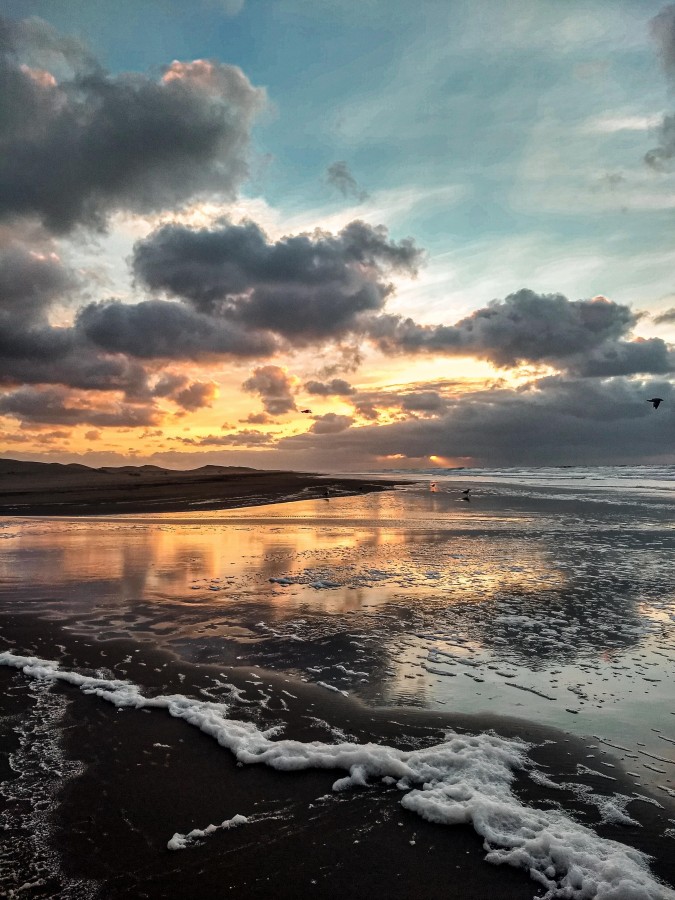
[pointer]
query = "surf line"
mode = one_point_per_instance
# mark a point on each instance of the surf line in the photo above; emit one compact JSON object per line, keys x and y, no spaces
{"x":466,"y":779}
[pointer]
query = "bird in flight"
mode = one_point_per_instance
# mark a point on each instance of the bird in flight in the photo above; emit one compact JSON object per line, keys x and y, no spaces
{"x":305,"y":411}
{"x":655,"y":401}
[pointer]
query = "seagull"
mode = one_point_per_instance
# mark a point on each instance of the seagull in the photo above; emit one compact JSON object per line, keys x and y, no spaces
{"x":305,"y":411}
{"x":466,"y":492}
{"x":655,"y":401}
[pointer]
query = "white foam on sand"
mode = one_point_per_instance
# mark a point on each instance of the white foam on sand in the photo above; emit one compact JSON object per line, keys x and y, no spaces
{"x":464,"y":779}
{"x":181,"y":841}
{"x":30,"y":864}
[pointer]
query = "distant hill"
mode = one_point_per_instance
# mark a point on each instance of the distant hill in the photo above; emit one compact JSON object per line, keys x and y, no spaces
{"x":41,"y":469}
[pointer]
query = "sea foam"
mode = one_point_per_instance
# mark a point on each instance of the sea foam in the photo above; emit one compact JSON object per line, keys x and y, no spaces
{"x":464,"y":779}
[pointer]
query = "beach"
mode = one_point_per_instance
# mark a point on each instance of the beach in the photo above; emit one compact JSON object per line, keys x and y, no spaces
{"x":382,"y":694}
{"x":52,"y":489}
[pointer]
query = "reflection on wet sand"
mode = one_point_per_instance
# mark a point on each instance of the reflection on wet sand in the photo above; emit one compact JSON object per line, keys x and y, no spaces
{"x":532,"y":609}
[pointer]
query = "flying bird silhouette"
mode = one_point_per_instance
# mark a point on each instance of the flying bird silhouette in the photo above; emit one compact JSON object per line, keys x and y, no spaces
{"x":305,"y":410}
{"x":655,"y":401}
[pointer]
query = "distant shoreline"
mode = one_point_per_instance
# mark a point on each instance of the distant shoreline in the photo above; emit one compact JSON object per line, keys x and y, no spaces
{"x":52,"y":489}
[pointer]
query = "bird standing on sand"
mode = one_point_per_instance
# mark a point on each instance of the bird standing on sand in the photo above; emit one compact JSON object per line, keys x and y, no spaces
{"x":466,"y":495}
{"x":466,"y":492}
{"x":655,"y":401}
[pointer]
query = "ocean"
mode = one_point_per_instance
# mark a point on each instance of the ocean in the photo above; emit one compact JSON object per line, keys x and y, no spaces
{"x":473,"y":688}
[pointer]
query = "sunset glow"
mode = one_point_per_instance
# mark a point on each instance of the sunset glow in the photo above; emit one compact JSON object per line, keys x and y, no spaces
{"x":204,"y":258}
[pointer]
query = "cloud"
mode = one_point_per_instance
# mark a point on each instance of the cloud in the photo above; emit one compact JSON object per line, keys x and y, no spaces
{"x":53,"y":406}
{"x":245,"y":438}
{"x":160,"y":329}
{"x":367,"y":410}
{"x":304,"y":287}
{"x":662,"y":28}
{"x":29,"y":281}
{"x":339,"y":176}
{"x":198,"y":395}
{"x":261,"y":418}
{"x":336,"y":387}
{"x":527,"y":327}
{"x":331,"y":423}
{"x":275,"y":387}
{"x":660,"y":157}
{"x":34,"y":351}
{"x":39,"y":437}
{"x":78,"y":144}
{"x":550,"y":422}
{"x":168,"y":384}
{"x":424,"y":401}
{"x":664,"y":317}
{"x":60,"y":356}
{"x":627,"y":358}
{"x":188,"y":396}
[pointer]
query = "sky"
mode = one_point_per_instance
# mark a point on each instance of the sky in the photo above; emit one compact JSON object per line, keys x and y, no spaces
{"x":333,"y":236}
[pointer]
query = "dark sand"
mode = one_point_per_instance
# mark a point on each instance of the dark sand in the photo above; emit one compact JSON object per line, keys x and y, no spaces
{"x":52,"y":489}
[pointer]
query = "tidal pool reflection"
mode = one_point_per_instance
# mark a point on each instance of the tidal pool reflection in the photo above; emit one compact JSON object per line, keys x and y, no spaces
{"x":525,"y":606}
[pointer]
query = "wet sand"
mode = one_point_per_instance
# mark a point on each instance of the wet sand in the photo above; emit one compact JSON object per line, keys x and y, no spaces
{"x":145,"y":776}
{"x":190,"y":604}
{"x":51,"y":489}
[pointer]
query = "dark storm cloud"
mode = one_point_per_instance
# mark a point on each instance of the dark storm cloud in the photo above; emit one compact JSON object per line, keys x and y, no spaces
{"x":331,"y":423}
{"x":424,"y":401}
{"x":665,"y":317}
{"x":275,"y":387}
{"x":83,"y":143}
{"x":422,"y":398}
{"x":524,"y":327}
{"x":336,"y":387}
{"x":553,"y":421}
{"x":304,"y":287}
{"x":60,"y":356}
{"x":37,"y":43}
{"x":51,"y":406}
{"x":339,"y":176}
{"x":627,"y":358}
{"x":160,"y":329}
{"x":29,"y":281}
{"x":169,"y":384}
{"x":35,"y":352}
